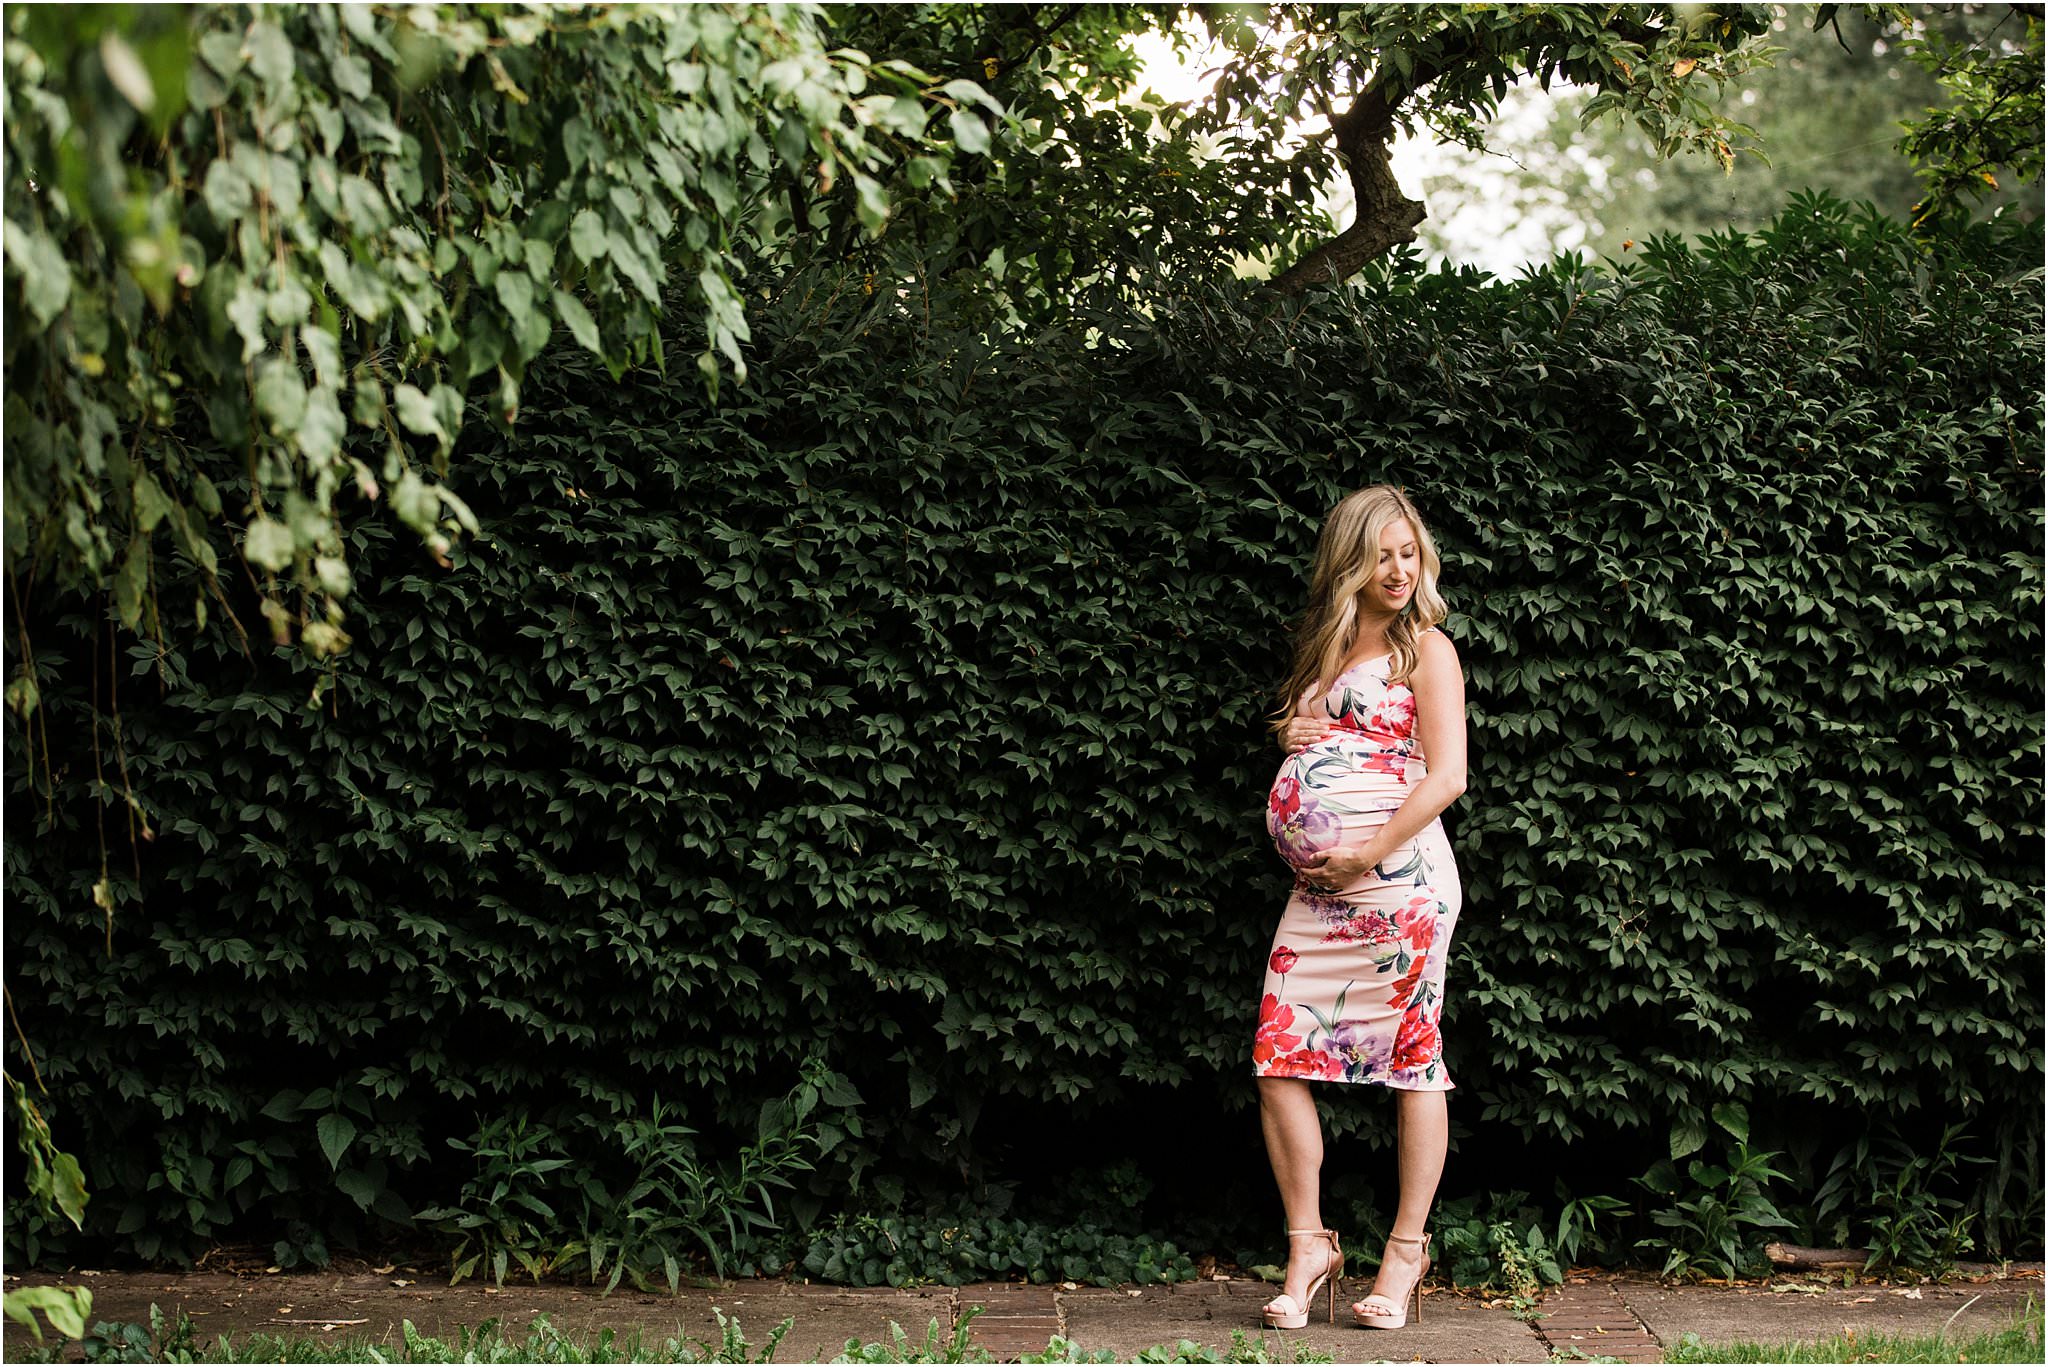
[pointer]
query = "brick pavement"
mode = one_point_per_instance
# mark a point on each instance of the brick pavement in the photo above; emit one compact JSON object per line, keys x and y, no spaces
{"x":1632,"y":1318}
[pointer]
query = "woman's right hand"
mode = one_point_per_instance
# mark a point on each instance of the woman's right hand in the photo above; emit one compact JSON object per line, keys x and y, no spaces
{"x":1303,"y":732}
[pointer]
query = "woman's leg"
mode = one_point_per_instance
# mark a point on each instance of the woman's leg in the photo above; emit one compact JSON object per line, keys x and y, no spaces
{"x":1294,"y":1143}
{"x":1422,"y":1130}
{"x":1422,"y":1133}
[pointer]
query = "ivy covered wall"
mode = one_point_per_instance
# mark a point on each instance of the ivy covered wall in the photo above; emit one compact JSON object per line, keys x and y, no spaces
{"x":903,"y":711}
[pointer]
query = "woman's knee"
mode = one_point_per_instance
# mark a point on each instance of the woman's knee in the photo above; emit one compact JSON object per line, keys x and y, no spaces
{"x":1284,"y":1094}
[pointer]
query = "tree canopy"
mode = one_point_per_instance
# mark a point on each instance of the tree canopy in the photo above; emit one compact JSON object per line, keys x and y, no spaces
{"x":1992,"y":121}
{"x":302,"y":236}
{"x":260,"y":261}
{"x":1830,"y":113}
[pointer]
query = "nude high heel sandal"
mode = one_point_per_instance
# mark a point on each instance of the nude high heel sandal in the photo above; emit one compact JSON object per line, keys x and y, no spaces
{"x":1284,"y":1312}
{"x":1394,"y":1315}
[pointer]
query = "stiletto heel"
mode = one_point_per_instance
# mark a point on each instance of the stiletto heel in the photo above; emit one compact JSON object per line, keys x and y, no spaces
{"x":1389,"y":1307}
{"x":1284,"y":1312}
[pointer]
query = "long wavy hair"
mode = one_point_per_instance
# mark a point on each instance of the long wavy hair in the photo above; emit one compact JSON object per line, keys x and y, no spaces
{"x":1347,"y":557}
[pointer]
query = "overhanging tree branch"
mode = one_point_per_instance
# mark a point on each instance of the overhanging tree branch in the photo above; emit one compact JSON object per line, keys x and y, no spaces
{"x":1385,"y":217}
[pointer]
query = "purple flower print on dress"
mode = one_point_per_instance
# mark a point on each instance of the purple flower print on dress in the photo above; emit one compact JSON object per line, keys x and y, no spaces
{"x":1328,"y":907}
{"x":1299,"y":826}
{"x":1355,"y":1044}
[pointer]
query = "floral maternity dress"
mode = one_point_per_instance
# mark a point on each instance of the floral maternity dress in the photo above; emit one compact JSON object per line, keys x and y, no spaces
{"x":1354,"y":983}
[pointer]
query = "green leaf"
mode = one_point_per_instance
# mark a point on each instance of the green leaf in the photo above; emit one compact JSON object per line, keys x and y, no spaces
{"x":151,"y":505}
{"x":1733,"y":1117}
{"x":269,"y":54}
{"x":67,"y":1187}
{"x":125,"y":72}
{"x":353,"y":1182}
{"x":515,"y":291}
{"x":633,"y":266}
{"x":587,"y":236}
{"x":332,"y":574}
{"x":321,"y":427}
{"x":969,"y":132}
{"x":582,"y":326}
{"x":414,"y":502}
{"x":130,"y":579}
{"x":67,"y":1308}
{"x":245,"y":311}
{"x":45,"y":276}
{"x":582,"y":144}
{"x":268,"y":544}
{"x":23,"y":695}
{"x":418,"y":413}
{"x":336,"y":1132}
{"x":280,"y":394}
{"x":922,"y":1088}
{"x":351,"y":74}
{"x":1688,"y":1135}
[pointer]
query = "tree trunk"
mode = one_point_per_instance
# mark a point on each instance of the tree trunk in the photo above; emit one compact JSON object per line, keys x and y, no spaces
{"x":1385,"y":218}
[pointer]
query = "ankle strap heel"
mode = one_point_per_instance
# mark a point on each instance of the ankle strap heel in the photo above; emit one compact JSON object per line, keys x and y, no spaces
{"x":1284,"y":1312}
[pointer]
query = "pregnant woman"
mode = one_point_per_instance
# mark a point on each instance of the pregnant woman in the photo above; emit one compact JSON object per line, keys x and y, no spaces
{"x":1373,"y":721}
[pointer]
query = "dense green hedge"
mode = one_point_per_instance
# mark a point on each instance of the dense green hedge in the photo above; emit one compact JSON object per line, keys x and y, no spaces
{"x":904,"y":710}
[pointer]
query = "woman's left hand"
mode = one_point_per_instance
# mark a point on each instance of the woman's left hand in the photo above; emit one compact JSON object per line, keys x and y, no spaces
{"x":1303,"y":732}
{"x":1339,"y":867}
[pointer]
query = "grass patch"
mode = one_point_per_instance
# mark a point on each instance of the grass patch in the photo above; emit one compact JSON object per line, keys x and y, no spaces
{"x":162,"y":1341}
{"x":2019,"y":1341}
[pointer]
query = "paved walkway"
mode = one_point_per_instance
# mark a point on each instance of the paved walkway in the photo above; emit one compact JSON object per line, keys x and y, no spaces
{"x":1627,"y":1317}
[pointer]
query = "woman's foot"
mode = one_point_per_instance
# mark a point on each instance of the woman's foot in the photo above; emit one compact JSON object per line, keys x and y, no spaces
{"x":1402,"y":1269}
{"x":1312,"y":1258}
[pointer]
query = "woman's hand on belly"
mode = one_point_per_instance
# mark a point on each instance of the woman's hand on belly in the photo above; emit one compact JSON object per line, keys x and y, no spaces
{"x":1340,"y":866}
{"x":1303,"y":732}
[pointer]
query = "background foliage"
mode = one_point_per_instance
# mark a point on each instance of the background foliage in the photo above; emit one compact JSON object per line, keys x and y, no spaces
{"x":1830,"y":112}
{"x":304,"y":234}
{"x":899,"y":717}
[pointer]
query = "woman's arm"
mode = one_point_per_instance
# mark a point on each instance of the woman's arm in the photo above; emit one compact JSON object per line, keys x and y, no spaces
{"x":1439,"y":687}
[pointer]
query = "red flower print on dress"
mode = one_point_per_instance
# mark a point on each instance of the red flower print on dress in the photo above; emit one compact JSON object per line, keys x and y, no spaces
{"x":1366,"y":927}
{"x":1309,"y":1063}
{"x":1404,"y":986}
{"x":1386,"y":762}
{"x":1418,"y":922}
{"x":1395,"y":716}
{"x":1418,"y":1043}
{"x":1285,"y":799}
{"x":1274,"y":1019}
{"x":1283,"y":961}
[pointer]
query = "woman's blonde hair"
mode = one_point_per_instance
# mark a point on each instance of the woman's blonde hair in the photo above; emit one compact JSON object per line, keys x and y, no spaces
{"x":1347,"y":557}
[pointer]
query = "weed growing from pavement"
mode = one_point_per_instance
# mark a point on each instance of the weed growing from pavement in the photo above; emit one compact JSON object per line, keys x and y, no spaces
{"x":2018,"y":1341}
{"x":1243,"y":1348}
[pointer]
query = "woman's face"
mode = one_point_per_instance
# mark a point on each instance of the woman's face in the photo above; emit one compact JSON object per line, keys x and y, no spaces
{"x":1392,"y":586}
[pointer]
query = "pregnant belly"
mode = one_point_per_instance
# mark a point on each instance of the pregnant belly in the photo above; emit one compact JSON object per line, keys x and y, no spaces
{"x":1331,"y":794}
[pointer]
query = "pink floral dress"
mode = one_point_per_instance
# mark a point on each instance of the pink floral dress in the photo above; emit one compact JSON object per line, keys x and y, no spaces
{"x":1354,"y":982}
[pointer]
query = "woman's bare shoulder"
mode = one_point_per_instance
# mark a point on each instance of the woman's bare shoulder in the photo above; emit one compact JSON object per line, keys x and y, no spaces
{"x":1434,"y":645}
